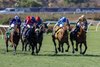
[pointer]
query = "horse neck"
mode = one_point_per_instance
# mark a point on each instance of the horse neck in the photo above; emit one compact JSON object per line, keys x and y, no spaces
{"x":83,"y":33}
{"x":17,"y":29}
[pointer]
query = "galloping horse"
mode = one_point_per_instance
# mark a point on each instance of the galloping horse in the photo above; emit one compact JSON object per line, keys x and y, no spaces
{"x":13,"y":37}
{"x":31,"y":38}
{"x":42,"y":29}
{"x":38,"y":34}
{"x":79,"y":38}
{"x":61,"y":34}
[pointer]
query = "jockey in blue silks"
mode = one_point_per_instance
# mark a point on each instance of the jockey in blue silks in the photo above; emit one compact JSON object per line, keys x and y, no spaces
{"x":15,"y":20}
{"x":61,"y":22}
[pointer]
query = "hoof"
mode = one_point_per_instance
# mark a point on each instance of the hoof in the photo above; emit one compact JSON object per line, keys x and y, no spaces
{"x":82,"y":53}
{"x":76,"y":49}
{"x":56,"y":52}
{"x":66,"y":50}
{"x":73,"y":52}
{"x":62,"y":51}
{"x":59,"y":49}
{"x":7,"y":50}
{"x":32,"y":53}
{"x":14,"y":53}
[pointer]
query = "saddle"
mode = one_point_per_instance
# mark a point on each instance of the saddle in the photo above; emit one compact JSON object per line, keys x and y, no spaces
{"x":58,"y":32}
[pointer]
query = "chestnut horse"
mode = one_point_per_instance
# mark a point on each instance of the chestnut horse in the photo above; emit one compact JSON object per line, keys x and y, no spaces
{"x":61,"y":35}
{"x":13,"y":37}
{"x":79,"y":38}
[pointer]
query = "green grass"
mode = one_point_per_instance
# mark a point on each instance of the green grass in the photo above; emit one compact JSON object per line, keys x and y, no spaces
{"x":46,"y":56}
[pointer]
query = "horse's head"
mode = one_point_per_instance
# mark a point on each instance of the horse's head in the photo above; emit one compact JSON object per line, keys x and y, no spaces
{"x":82,"y":32}
{"x":43,"y":28}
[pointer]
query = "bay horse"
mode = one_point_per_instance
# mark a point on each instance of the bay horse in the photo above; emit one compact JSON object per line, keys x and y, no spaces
{"x":13,"y":37}
{"x":61,"y":35}
{"x":79,"y":38}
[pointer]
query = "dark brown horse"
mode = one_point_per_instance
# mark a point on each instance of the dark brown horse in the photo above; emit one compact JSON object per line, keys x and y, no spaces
{"x":14,"y":38}
{"x":39,"y":38}
{"x":79,"y":38}
{"x":61,"y":35}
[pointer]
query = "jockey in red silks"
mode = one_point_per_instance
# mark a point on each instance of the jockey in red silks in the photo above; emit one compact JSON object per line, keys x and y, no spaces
{"x":39,"y":21}
{"x":27,"y":25}
{"x":28,"y":21}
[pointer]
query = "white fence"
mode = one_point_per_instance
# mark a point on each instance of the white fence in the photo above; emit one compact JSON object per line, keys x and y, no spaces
{"x":4,"y":29}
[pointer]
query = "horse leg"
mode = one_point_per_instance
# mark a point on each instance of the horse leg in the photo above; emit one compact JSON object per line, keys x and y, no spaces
{"x":14,"y":47}
{"x":76,"y":46}
{"x":32,"y":50}
{"x":73,"y":51}
{"x":29,"y":48}
{"x":80,"y":48}
{"x":22,"y":44}
{"x":62,"y":47}
{"x":37,"y":50}
{"x":53,"y":38}
{"x":59,"y":47}
{"x":85,"y":44}
{"x":67,"y":47}
{"x":7,"y":44}
{"x":26,"y":46}
{"x":40,"y":44}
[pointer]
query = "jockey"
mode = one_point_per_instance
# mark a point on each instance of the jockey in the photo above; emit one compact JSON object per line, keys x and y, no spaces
{"x":28,"y":24}
{"x":15,"y":20}
{"x":85,"y":23}
{"x":28,"y":21}
{"x":82,"y":22}
{"x":62,"y":21}
{"x":39,"y":21}
{"x":34,"y":22}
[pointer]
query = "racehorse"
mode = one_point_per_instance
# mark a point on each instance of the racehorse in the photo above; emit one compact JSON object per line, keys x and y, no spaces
{"x":79,"y":38}
{"x":42,"y":29}
{"x":61,"y":35}
{"x":31,"y":38}
{"x":13,"y":37}
{"x":39,"y":38}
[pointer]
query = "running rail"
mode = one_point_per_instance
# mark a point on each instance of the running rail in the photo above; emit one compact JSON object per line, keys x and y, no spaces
{"x":3,"y":26}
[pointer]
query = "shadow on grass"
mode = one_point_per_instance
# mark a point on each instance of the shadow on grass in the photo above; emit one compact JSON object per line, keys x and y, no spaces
{"x":27,"y":53}
{"x":74,"y":55}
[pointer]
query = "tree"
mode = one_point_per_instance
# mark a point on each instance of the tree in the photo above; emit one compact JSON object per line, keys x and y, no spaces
{"x":27,"y":3}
